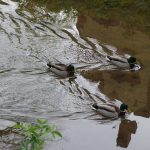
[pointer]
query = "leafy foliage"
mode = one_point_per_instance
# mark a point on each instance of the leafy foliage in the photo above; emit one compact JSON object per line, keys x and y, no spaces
{"x":36,"y":134}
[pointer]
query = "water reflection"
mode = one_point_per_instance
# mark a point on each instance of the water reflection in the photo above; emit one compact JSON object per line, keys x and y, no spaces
{"x":126,"y":129}
{"x":144,"y":111}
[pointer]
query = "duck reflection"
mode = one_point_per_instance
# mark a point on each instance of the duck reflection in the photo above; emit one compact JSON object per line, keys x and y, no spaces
{"x":126,"y":128}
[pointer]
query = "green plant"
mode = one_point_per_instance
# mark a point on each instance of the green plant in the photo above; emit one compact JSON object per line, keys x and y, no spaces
{"x":35,"y":135}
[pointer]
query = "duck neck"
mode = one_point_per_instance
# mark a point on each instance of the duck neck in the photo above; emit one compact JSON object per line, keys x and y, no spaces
{"x":121,"y":113}
{"x":132,"y":65}
{"x":70,"y":73}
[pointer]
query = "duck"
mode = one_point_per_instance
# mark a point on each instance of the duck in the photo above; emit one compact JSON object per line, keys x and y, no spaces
{"x":122,"y":62}
{"x":62,"y":69}
{"x":110,"y":110}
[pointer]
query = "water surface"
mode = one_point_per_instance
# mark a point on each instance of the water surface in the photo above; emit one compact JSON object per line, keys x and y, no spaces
{"x":31,"y":34}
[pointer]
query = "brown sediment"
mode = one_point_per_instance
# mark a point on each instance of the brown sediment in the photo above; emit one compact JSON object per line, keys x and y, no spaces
{"x":81,"y":21}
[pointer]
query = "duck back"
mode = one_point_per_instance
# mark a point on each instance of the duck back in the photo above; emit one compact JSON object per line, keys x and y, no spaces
{"x":106,"y":111}
{"x":118,"y":61}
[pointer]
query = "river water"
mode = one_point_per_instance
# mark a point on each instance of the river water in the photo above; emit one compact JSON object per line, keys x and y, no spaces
{"x":31,"y":34}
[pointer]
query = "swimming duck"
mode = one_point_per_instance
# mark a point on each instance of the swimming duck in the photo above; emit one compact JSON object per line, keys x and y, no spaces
{"x":110,"y":110}
{"x":122,"y":62}
{"x":62,"y":69}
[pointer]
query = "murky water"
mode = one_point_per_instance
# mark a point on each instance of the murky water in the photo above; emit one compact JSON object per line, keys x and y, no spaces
{"x":30,"y":34}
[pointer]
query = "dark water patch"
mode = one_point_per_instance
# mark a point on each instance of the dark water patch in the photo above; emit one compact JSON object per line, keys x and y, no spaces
{"x":33,"y":71}
{"x":98,"y":52}
{"x":14,"y":21}
{"x":9,"y":139}
{"x":7,"y":34}
{"x":40,"y":28}
{"x":46,"y":22}
{"x":52,"y":30}
{"x":6,"y":70}
{"x":18,"y":23}
{"x":109,"y":49}
{"x":90,"y":43}
{"x":24,"y":22}
{"x":2,"y":16}
{"x":75,"y":40}
{"x":3,"y":3}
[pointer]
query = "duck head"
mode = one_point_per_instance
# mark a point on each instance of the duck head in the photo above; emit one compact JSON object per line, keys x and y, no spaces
{"x":70,"y":68}
{"x":123,"y":109}
{"x":132,"y":61}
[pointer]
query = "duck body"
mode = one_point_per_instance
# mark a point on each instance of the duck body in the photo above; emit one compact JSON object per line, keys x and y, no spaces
{"x":110,"y":110}
{"x":122,"y":62}
{"x":61,"y":69}
{"x":58,"y":72}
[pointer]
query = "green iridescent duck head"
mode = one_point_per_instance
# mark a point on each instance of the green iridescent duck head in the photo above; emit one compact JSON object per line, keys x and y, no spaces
{"x":71,"y":68}
{"x":123,"y":109}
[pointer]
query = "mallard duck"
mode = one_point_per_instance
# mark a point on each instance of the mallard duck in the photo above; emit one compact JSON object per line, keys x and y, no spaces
{"x":110,"y":110}
{"x":122,"y":62}
{"x":62,"y":69}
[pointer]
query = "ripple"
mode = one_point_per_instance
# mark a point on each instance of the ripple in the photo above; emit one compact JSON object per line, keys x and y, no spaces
{"x":37,"y":36}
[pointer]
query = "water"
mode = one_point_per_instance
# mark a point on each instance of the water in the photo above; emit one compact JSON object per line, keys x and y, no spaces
{"x":31,"y":34}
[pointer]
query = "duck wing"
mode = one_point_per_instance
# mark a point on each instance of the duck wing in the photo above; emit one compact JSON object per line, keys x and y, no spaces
{"x":116,"y":59}
{"x":106,"y":107}
{"x":106,"y":110}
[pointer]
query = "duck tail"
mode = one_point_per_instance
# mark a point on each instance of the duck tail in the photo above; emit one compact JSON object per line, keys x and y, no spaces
{"x":95,"y":106}
{"x":49,"y":64}
{"x":109,"y":58}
